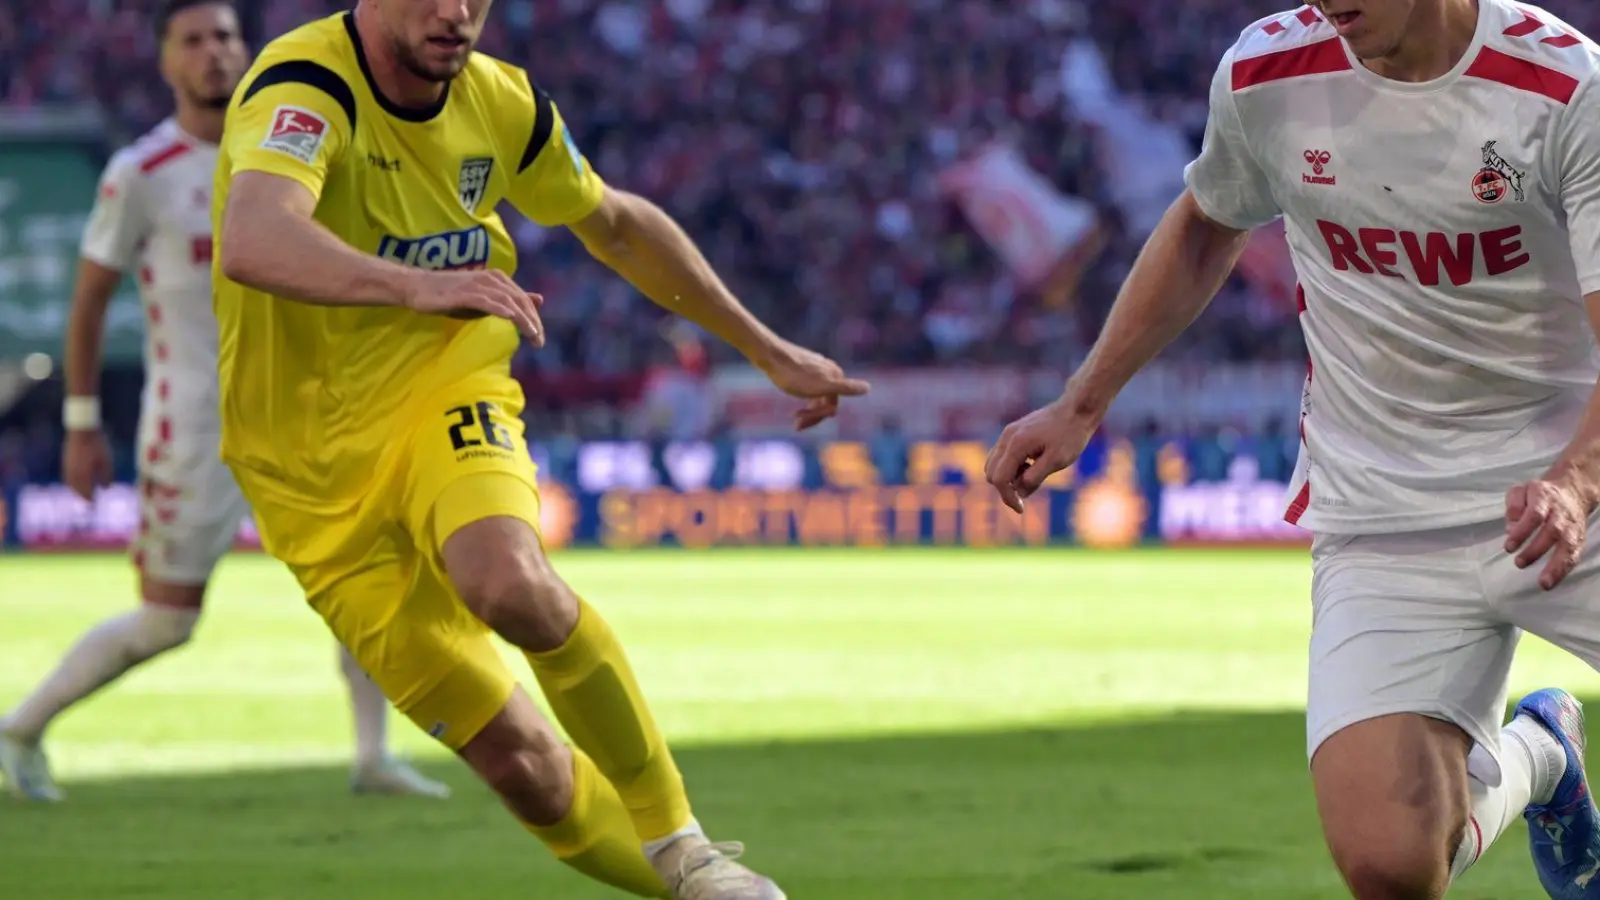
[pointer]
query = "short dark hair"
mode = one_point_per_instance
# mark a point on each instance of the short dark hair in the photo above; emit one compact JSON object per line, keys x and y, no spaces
{"x":170,"y":9}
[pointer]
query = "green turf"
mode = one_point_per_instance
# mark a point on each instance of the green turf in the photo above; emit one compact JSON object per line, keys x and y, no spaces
{"x":876,"y":726}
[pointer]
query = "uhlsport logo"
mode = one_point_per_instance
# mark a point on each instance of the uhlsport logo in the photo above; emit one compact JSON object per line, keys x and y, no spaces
{"x":1496,"y":179}
{"x":465,"y":249}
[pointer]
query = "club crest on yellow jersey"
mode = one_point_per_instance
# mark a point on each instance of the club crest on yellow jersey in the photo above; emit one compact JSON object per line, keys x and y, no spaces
{"x":473,"y":181}
{"x":464,"y":249}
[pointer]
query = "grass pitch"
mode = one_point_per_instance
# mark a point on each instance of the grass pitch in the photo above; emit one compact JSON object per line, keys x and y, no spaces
{"x":925,"y":725}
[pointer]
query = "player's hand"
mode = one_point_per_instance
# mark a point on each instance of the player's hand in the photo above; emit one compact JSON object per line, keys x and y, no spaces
{"x":86,"y":462}
{"x":1035,"y":447}
{"x":1548,"y":517}
{"x":812,"y":377}
{"x":475,"y":293}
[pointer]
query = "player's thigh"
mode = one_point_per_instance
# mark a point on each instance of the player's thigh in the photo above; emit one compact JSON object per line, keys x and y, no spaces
{"x":409,"y":633}
{"x":474,"y":502}
{"x":190,"y":509}
{"x":1401,"y":624}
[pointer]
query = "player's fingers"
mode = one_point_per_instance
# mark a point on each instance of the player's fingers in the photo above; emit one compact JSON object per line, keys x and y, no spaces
{"x":536,"y":299}
{"x":515,"y":307}
{"x":500,"y":280}
{"x":1562,"y":562}
{"x":1033,"y":478}
{"x":1010,"y":497}
{"x":1521,"y":528}
{"x":531,"y":320}
{"x":991,"y":463}
{"x":1543,"y":542}
{"x":849,"y":387}
{"x":1007,"y":466}
{"x":815,"y":412}
{"x":1516,"y":504}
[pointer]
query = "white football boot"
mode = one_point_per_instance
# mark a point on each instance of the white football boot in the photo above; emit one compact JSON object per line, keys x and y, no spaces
{"x":395,"y":778}
{"x":26,"y":770}
{"x":696,"y":869}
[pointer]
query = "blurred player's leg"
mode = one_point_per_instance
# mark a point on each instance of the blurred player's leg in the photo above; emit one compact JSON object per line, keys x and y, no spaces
{"x":165,"y":621}
{"x":375,"y":771}
{"x":483,"y":524}
{"x":1415,"y":778}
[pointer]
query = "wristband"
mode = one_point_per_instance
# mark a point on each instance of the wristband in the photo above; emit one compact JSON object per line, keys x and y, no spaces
{"x":81,"y":414}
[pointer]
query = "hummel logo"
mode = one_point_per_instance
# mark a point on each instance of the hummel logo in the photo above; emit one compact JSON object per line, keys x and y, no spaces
{"x":1318,"y":161}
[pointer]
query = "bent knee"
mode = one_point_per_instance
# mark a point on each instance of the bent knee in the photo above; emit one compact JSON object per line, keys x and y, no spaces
{"x":511,"y":587}
{"x":163,"y":628}
{"x":1395,"y":872}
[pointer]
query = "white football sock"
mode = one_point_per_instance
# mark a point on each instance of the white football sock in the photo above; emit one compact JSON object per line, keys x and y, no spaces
{"x":370,"y":709}
{"x":101,"y":656}
{"x":652,"y":848}
{"x":1531,"y":765}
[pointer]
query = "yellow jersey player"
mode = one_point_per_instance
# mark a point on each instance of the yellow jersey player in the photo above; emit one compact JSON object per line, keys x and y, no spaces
{"x":367,"y":322}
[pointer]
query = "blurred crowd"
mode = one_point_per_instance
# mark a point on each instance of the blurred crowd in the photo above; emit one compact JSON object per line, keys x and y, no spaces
{"x":799,"y":141}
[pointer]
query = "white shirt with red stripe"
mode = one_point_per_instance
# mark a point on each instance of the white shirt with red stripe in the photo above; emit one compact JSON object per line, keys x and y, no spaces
{"x":152,"y":216}
{"x":1444,"y":235}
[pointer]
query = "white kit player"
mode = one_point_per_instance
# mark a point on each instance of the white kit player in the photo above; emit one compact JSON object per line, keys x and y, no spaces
{"x":1437,"y":165}
{"x":153,"y":217}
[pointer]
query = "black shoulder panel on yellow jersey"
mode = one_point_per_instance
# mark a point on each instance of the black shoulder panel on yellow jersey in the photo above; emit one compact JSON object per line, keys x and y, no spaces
{"x":544,"y":121}
{"x":310,"y":74}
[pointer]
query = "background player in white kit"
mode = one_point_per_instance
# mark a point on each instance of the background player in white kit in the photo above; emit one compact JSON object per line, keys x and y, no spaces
{"x":153,"y":215}
{"x":1437,"y":165}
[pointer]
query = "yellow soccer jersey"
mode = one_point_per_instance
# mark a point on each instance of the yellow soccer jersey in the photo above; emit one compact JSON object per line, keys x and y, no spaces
{"x":312,"y":395}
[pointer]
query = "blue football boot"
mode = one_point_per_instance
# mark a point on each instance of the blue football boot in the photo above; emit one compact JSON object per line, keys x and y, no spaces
{"x":1564,"y":834}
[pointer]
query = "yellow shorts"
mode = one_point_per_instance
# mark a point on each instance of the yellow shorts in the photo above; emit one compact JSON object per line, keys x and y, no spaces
{"x":377,"y":577}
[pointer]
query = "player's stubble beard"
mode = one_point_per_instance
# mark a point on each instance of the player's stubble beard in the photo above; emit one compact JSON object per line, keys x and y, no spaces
{"x":412,"y":61}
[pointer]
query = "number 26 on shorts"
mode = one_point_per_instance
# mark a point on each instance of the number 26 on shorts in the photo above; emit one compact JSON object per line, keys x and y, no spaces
{"x":475,"y":425}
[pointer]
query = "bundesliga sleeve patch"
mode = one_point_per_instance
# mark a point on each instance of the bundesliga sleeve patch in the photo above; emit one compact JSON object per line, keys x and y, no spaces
{"x":297,"y":132}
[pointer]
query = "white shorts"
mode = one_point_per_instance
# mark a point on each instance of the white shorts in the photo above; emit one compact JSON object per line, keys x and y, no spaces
{"x":1428,"y":623}
{"x":190,"y":508}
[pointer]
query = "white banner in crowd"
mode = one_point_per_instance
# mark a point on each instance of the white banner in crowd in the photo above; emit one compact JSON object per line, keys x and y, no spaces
{"x":1030,"y":224}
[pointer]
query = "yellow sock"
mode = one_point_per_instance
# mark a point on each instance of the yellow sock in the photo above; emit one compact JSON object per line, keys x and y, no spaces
{"x":597,"y":836}
{"x":592,"y":691}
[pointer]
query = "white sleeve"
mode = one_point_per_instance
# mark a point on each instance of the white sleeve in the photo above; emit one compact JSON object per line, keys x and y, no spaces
{"x":1225,"y":180}
{"x":1577,"y":146}
{"x":118,"y":223}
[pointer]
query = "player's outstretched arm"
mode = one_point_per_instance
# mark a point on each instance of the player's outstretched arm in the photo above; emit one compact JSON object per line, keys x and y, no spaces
{"x":640,"y":242}
{"x":271,"y":242}
{"x":1178,"y":272}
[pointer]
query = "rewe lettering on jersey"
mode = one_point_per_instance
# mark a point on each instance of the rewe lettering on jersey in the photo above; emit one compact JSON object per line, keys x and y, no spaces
{"x":1433,"y":256}
{"x":465,"y":249}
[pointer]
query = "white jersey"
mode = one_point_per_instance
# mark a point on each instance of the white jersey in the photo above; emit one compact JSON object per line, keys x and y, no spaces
{"x":152,"y":217}
{"x":1444,"y":234}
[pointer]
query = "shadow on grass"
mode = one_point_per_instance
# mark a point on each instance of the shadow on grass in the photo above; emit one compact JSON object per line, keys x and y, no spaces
{"x":1186,"y":807}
